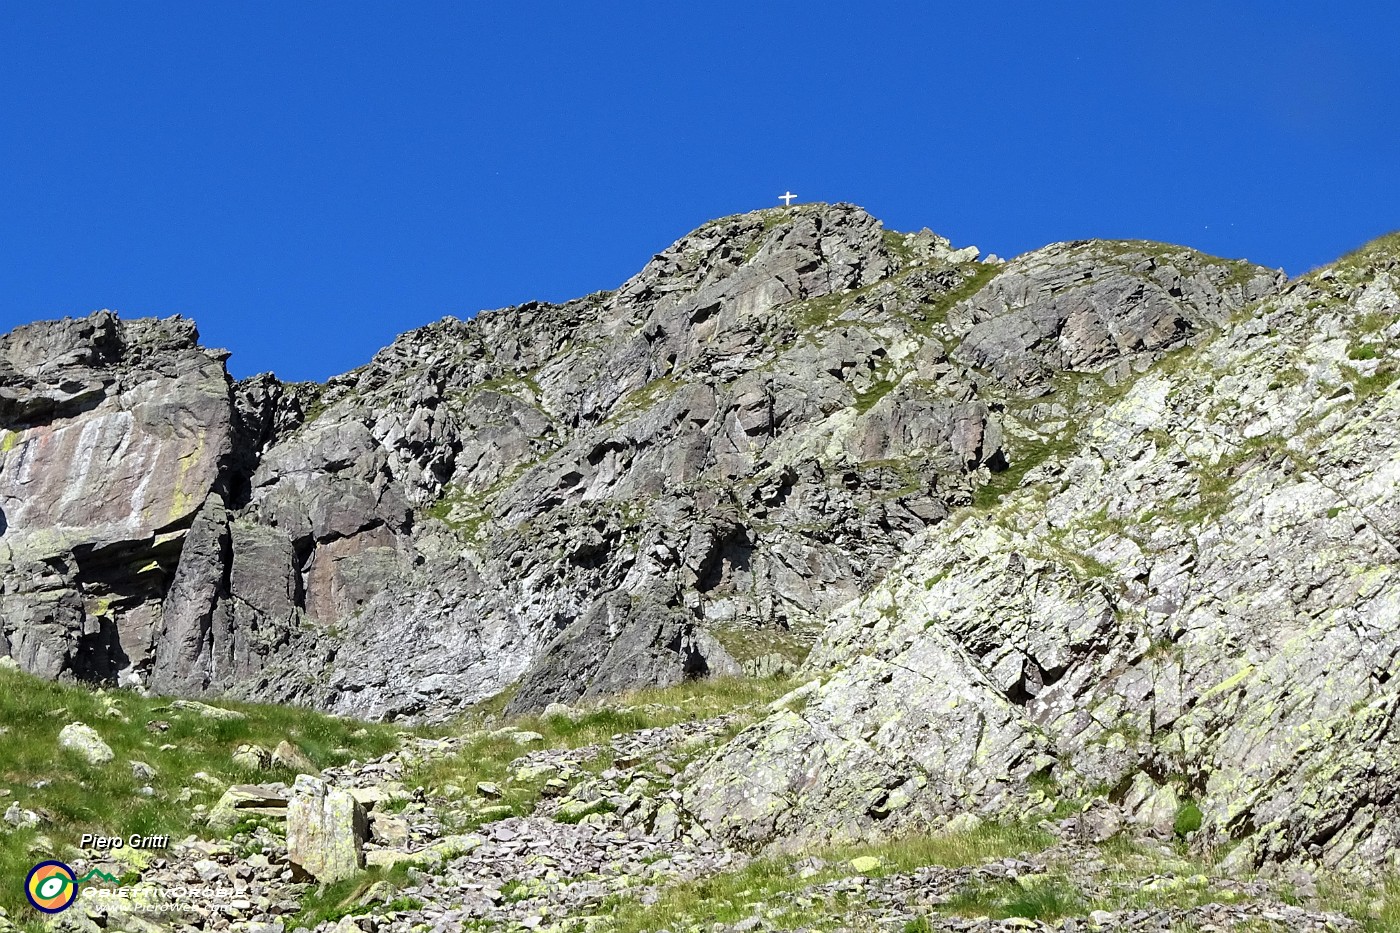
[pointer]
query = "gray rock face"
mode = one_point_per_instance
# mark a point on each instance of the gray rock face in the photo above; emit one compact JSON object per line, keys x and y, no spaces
{"x":684,"y":477}
{"x":737,"y":441}
{"x":1081,"y":306}
{"x":114,"y":435}
{"x":1185,"y":600}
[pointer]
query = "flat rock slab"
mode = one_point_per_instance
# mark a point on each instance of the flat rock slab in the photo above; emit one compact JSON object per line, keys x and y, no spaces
{"x":207,"y":711}
{"x":246,"y":799}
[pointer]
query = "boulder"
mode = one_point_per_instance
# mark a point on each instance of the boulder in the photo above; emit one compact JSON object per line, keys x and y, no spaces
{"x":20,"y":818}
{"x":84,"y":740}
{"x":388,"y":830}
{"x":252,"y":757}
{"x":288,"y":756}
{"x":326,"y":831}
{"x":207,"y":711}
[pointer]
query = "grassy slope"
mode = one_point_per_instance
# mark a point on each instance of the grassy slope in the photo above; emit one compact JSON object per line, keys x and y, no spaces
{"x":76,"y":797}
{"x":1128,"y":875}
{"x":733,"y":896}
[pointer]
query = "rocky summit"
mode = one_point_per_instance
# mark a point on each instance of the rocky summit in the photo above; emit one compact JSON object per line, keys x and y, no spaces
{"x":1107,"y":529}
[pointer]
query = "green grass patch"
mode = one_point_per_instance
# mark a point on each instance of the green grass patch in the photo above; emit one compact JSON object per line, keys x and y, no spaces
{"x":816,"y":313}
{"x":1376,"y":907}
{"x":1230,"y":271}
{"x":487,"y":759}
{"x":732,"y":896}
{"x":75,"y":797}
{"x":463,"y":511}
{"x":1034,"y":897}
{"x":1180,"y":882}
{"x":1056,"y":547}
{"x":867,"y":400}
{"x":1372,"y":322}
{"x":1367,"y":387}
{"x":746,"y":644}
{"x":493,"y":707}
{"x":508,"y":383}
{"x":936,"y":311}
{"x":648,"y":395}
{"x":773,"y":218}
{"x":1214,"y":493}
{"x":317,"y":404}
{"x":1382,"y":251}
{"x":449,"y":510}
{"x":896,"y":247}
{"x":953,"y":850}
{"x":330,"y":902}
{"x":1021,"y":459}
{"x":703,"y":698}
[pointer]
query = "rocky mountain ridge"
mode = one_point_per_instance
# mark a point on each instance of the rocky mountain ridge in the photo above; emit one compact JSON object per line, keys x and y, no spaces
{"x":737,"y":441}
{"x":1111,"y":522}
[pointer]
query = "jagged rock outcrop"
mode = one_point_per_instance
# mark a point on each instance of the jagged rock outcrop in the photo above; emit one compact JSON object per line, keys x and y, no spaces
{"x":1183,"y":601}
{"x":683,"y":477}
{"x":114,"y":435}
{"x":576,"y":499}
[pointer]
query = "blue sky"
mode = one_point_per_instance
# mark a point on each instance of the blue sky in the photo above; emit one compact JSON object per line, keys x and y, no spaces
{"x":308,"y":180}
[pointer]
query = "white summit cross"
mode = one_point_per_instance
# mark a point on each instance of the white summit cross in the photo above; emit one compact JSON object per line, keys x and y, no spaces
{"x":787,"y":199}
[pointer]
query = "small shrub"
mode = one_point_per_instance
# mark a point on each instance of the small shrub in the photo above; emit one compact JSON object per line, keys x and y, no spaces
{"x":1188,"y":818}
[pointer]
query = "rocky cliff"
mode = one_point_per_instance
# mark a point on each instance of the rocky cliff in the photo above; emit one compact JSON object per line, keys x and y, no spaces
{"x":682,"y":477}
{"x":1111,"y":521}
{"x":1179,"y":604}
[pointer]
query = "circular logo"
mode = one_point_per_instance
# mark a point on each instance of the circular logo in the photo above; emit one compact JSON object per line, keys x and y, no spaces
{"x":51,"y":887}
